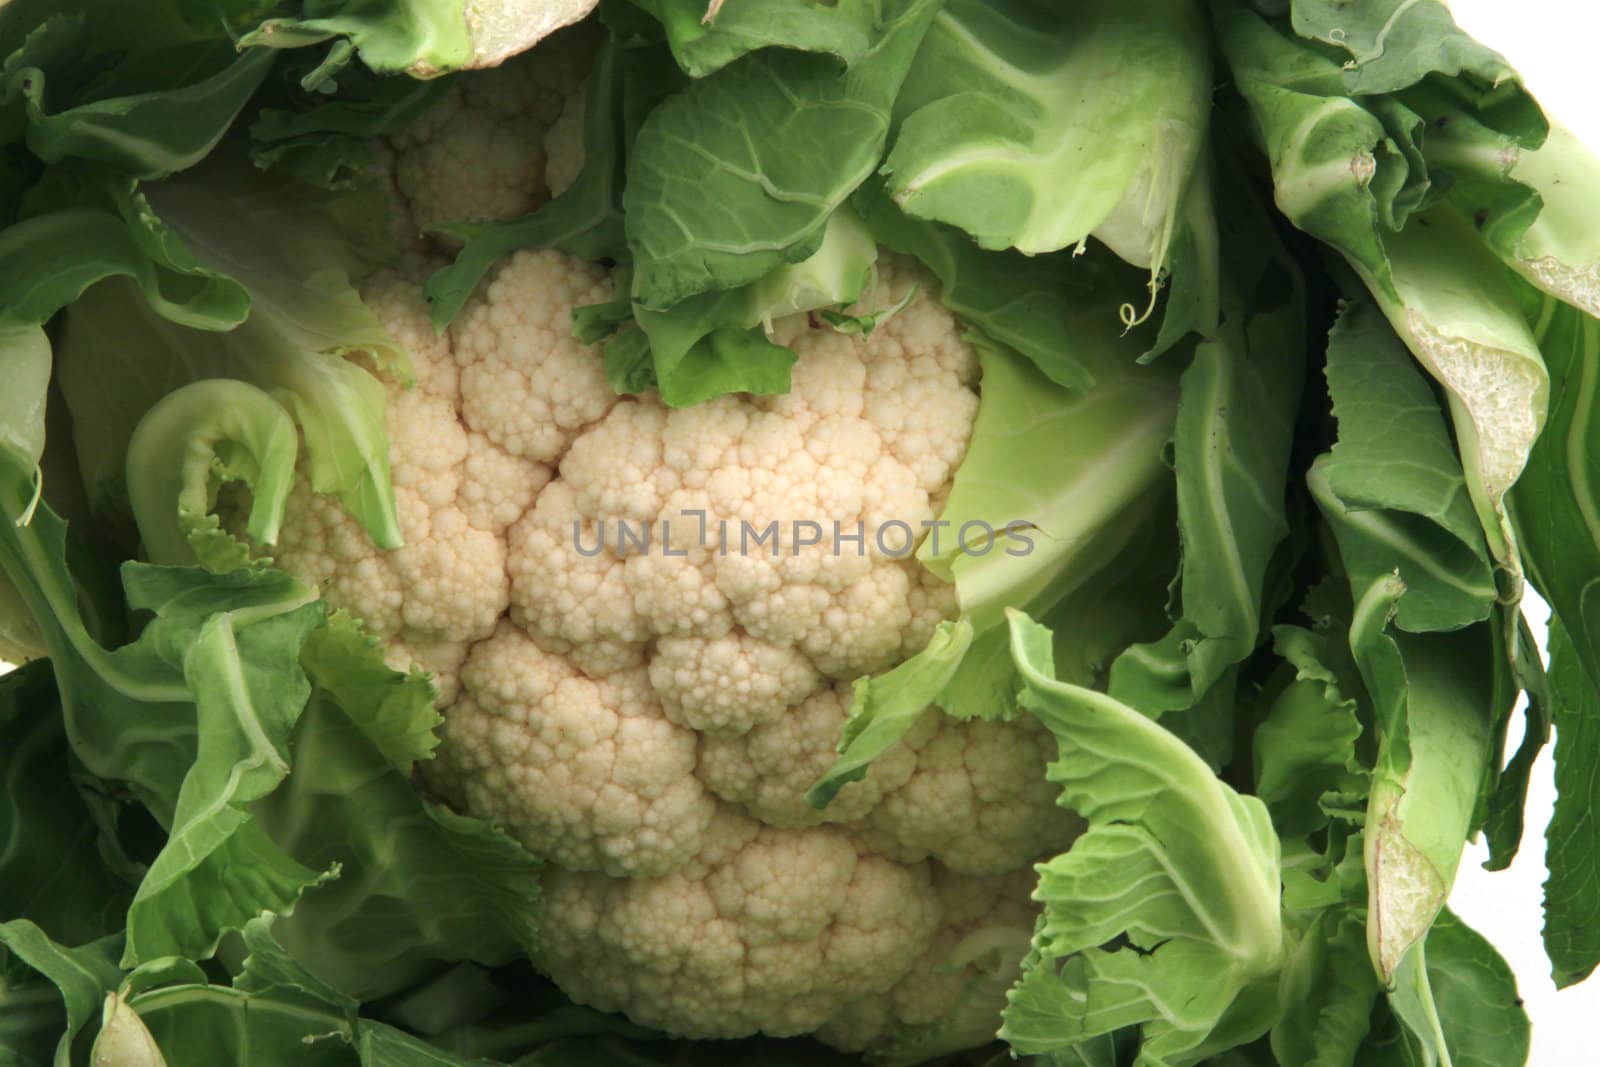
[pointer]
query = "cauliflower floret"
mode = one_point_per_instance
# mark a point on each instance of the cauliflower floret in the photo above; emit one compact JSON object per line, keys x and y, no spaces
{"x":778,"y":934}
{"x":768,"y":770}
{"x":527,"y":384}
{"x":563,"y":146}
{"x":447,"y":585}
{"x":585,"y":771}
{"x":643,"y":623}
{"x":978,"y":800}
{"x":499,"y":122}
{"x":950,"y":999}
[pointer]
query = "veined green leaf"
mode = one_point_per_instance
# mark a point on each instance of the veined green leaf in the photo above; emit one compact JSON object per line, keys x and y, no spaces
{"x":747,"y":204}
{"x":1238,"y":399}
{"x":1016,"y":126}
{"x":1572,"y":845}
{"x":1165,"y":915}
{"x":1393,"y":484}
{"x":1434,"y":698}
{"x":1457,"y":1007}
{"x":223,"y":647}
{"x":1396,"y":43}
{"x":81,"y":975}
{"x":715,"y":343}
{"x":705,"y":40}
{"x":887,"y":705}
{"x":1030,"y":304}
{"x":1107,"y":443}
{"x":1350,"y":171}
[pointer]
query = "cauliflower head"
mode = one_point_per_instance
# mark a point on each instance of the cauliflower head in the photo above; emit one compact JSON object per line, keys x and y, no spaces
{"x":643,"y":623}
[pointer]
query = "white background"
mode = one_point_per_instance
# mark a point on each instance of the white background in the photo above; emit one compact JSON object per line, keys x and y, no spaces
{"x":1552,"y":43}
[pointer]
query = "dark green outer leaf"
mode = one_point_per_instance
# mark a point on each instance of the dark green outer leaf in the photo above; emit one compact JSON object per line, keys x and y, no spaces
{"x":1231,"y":449}
{"x":241,"y":662}
{"x":1475,"y":994}
{"x":1396,"y":43}
{"x":221,"y":865}
{"x":48,"y":261}
{"x":149,"y":134}
{"x":82,"y":975}
{"x":1557,"y":506}
{"x":1572,"y":838}
{"x":1395,"y":482}
{"x":52,"y":871}
{"x":1506,"y":804}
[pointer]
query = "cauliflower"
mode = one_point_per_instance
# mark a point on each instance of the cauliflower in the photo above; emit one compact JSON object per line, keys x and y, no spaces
{"x":648,"y":719}
{"x":520,"y":127}
{"x":643,"y":622}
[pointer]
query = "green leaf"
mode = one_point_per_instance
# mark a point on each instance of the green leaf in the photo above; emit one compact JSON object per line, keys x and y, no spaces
{"x":294,"y":251}
{"x":395,"y":710}
{"x":1475,"y":994}
{"x":1305,"y":748}
{"x":1396,"y":43}
{"x":1505,"y":806}
{"x":1458,"y":1007}
{"x":1238,"y":399}
{"x":419,"y":885}
{"x":1393,"y":484}
{"x":1557,"y":251}
{"x":1572,"y":840}
{"x":1435,"y":698}
{"x":422,"y":38}
{"x":1017,"y":126}
{"x":25,"y":366}
{"x":739,"y":173}
{"x":46,"y":262}
{"x":1351,"y":172}
{"x":19,"y":635}
{"x":152,"y":134}
{"x":1559,"y":526}
{"x":1026,"y":303}
{"x":241,"y":665}
{"x":1165,"y":913}
{"x":704,"y":40}
{"x":52,"y":872}
{"x":1052,"y":526}
{"x":191,"y":717}
{"x":81,"y":975}
{"x":714,"y":343}
{"x":1327,"y":992}
{"x":326,"y":141}
{"x":194,"y":1023}
{"x":191,"y":442}
{"x":586,"y":220}
{"x":887,"y":705}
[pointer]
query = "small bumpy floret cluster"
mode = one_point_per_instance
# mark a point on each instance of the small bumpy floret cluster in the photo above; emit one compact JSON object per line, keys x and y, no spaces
{"x":650,"y":722}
